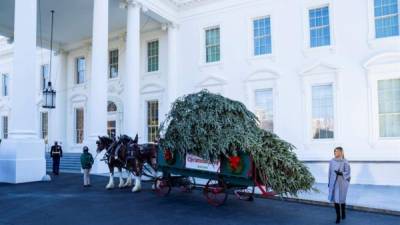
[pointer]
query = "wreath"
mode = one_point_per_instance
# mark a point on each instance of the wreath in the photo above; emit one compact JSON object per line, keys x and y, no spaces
{"x":235,"y":163}
{"x":169,"y":156}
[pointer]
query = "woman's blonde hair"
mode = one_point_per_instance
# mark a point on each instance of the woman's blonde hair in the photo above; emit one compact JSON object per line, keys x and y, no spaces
{"x":339,"y":149}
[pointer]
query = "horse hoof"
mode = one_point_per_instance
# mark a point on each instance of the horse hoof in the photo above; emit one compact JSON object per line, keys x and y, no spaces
{"x":136,"y":190}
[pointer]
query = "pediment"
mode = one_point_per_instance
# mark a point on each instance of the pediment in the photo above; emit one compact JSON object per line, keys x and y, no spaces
{"x":383,"y":59}
{"x":151,"y":88}
{"x":261,"y":75}
{"x":318,"y":68}
{"x":79,"y":98}
{"x":211,"y":81}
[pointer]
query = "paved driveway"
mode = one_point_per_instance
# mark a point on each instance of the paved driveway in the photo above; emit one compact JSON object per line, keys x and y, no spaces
{"x":65,"y":202}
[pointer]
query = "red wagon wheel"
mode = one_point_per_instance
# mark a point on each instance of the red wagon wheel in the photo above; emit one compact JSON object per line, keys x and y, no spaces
{"x":215,"y":192}
{"x":162,"y":186}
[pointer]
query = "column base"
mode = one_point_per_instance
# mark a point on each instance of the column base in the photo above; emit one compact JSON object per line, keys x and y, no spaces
{"x":99,"y":167}
{"x":22,"y":160}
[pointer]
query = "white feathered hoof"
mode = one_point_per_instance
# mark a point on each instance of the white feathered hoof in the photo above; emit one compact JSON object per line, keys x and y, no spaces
{"x":121,"y":185}
{"x":136,"y":189}
{"x":153,"y":187}
{"x":128,"y":183}
{"x":110,"y":186}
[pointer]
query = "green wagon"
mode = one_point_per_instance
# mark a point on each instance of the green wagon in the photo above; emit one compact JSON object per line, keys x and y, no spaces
{"x":235,"y":173}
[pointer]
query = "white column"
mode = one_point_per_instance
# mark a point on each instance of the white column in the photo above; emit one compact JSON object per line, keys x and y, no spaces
{"x":132,"y":71}
{"x":172,"y":63}
{"x":22,"y":155}
{"x":98,"y":82}
{"x":97,"y":111}
{"x":57,"y":122}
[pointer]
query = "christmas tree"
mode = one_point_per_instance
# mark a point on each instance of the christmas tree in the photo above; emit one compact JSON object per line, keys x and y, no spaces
{"x":210,"y":126}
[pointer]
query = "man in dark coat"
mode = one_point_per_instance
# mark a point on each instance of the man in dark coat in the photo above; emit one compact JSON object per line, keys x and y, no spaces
{"x":56,"y":154}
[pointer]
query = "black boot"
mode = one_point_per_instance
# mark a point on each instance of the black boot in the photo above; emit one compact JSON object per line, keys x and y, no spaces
{"x":337,"y":209}
{"x":343,"y":206}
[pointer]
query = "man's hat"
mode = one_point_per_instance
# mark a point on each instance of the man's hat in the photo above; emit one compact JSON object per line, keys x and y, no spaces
{"x":85,"y":149}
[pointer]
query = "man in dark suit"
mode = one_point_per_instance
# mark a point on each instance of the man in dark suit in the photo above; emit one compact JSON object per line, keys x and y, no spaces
{"x":56,"y":154}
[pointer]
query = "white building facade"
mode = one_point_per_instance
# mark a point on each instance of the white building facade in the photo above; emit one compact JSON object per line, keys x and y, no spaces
{"x":319,"y":73}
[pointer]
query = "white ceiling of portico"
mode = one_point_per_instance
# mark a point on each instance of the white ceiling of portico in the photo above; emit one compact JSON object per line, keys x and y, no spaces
{"x":182,"y":3}
{"x":73,"y":19}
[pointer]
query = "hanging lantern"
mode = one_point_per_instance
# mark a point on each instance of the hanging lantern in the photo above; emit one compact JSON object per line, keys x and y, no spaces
{"x":49,"y":97}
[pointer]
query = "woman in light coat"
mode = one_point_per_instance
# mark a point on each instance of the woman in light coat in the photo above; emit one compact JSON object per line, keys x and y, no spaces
{"x":339,"y":180}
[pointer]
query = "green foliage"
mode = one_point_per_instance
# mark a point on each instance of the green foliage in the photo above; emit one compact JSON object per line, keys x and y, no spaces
{"x":210,"y":125}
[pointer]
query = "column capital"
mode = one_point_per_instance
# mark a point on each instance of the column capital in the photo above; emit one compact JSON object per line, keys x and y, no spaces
{"x":124,"y":4}
{"x":169,"y":26}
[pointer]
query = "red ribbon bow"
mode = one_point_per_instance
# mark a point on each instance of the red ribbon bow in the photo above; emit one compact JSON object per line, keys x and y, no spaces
{"x":234,"y":162}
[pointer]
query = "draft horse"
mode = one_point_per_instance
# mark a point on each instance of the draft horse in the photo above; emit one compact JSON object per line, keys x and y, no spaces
{"x":126,"y":153}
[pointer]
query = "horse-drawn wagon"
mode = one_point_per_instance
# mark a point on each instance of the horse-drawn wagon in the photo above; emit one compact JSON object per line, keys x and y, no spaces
{"x":235,"y":173}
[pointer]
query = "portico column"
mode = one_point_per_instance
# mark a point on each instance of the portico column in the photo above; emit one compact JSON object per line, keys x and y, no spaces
{"x":98,"y":82}
{"x":132,"y":71}
{"x":97,"y":111}
{"x":22,"y":155}
{"x":172,"y":63}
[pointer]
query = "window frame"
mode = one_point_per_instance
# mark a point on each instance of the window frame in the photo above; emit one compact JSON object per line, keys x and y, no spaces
{"x":385,"y":16}
{"x":78,"y":140}
{"x":150,"y":126}
{"x":312,"y":85}
{"x":307,"y":49}
{"x":4,"y":127}
{"x":379,"y":113}
{"x":111,"y":64}
{"x":77,"y":71}
{"x":204,"y":47}
{"x":5,"y":84}
{"x":310,"y":29}
{"x":153,"y":56}
{"x":272,"y":90}
{"x":374,"y":42}
{"x":253,"y":36}
{"x":44,"y":131}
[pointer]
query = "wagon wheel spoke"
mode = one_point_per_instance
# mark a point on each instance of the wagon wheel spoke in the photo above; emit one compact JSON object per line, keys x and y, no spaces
{"x":215,"y":192}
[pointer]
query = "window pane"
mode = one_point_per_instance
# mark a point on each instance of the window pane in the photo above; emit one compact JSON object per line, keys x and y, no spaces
{"x":212,"y":45}
{"x":389,"y":107}
{"x":5,"y":127}
{"x":44,"y":75}
{"x":80,"y":70}
{"x":111,"y":128}
{"x":45,"y":121}
{"x":79,"y":125}
{"x":386,"y":18}
{"x":152,"y":56}
{"x":322,"y":112}
{"x":262,"y":36}
{"x":319,"y":27}
{"x":264,"y":109}
{"x":5,"y":84}
{"x":113,"y":64}
{"x":152,"y":120}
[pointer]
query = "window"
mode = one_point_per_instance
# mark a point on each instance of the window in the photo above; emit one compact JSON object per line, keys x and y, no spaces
{"x":44,"y":74}
{"x":389,"y":107}
{"x":80,"y":70}
{"x":322,"y":112}
{"x":213,"y":45}
{"x":386,"y":18}
{"x":79,"y":120}
{"x":113,"y":67}
{"x":152,"y":56}
{"x":44,"y":126}
{"x":111,"y":107}
{"x":264,"y":108}
{"x":262,"y":36}
{"x":4,"y":90}
{"x":152,"y":120}
{"x":5,"y":126}
{"x":111,"y":128}
{"x":319,"y":27}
